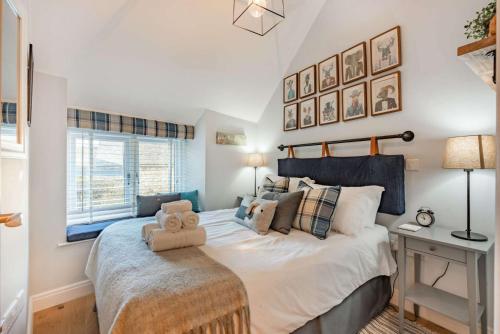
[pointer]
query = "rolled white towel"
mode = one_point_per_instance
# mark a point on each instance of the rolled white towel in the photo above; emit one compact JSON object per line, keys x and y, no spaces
{"x":147,"y":228}
{"x":161,"y":240}
{"x":170,"y":222}
{"x":189,"y":220}
{"x":177,"y":206}
{"x":158,"y":215}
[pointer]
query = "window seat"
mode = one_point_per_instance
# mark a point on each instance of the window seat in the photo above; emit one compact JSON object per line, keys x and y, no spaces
{"x":79,"y":232}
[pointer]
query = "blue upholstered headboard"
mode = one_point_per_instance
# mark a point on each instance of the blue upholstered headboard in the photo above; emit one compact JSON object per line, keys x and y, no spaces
{"x":381,"y":170}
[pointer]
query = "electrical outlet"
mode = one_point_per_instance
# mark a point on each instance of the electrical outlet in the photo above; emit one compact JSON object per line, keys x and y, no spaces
{"x":412,"y":164}
{"x":13,"y":311}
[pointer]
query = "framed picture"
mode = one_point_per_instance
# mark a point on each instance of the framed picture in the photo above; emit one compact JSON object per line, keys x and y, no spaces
{"x":329,"y":108}
{"x":290,"y":119}
{"x":328,"y":73}
{"x":354,"y":102}
{"x":386,"y":94}
{"x":385,"y":50}
{"x":225,"y":138}
{"x":290,"y":88}
{"x":354,"y":63}
{"x":308,"y":113}
{"x":307,"y":81}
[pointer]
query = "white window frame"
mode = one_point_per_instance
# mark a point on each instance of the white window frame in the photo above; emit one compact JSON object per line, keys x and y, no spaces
{"x":131,"y":174}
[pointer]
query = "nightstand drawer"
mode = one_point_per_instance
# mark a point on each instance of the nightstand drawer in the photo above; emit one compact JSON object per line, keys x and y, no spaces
{"x":437,"y":250}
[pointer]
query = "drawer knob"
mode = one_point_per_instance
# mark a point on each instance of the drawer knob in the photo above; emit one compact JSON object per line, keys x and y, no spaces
{"x":432,"y":248}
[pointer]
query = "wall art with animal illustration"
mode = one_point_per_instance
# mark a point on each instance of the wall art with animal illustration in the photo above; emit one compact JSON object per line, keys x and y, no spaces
{"x":329,"y":108}
{"x":354,"y":63}
{"x":354,"y":102}
{"x":315,"y":102}
{"x":328,"y":73}
{"x":308,"y":113}
{"x":307,"y":81}
{"x":386,"y":94}
{"x":385,"y":50}
{"x":290,"y":88}
{"x":290,"y":117}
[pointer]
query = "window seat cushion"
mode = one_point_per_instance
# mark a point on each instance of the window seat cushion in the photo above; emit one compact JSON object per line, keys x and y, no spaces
{"x":80,"y":232}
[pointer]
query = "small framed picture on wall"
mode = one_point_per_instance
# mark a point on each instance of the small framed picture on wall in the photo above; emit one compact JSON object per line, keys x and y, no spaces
{"x":354,"y":63}
{"x":307,"y":81}
{"x":328,"y":73}
{"x":354,"y":102}
{"x":329,"y":108}
{"x":290,"y":119}
{"x":308,"y":113}
{"x":385,"y":50}
{"x":386,"y":94}
{"x":290,"y":88}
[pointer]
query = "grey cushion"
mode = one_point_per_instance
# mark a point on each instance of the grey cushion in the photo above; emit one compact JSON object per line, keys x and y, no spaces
{"x":288,"y":204}
{"x":149,"y":205}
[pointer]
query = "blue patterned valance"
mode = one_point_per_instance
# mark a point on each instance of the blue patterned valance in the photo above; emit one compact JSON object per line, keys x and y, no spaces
{"x":86,"y":119}
{"x":9,"y":113}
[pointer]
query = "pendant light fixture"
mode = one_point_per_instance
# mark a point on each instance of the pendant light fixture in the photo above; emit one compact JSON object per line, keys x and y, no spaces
{"x":258,"y":16}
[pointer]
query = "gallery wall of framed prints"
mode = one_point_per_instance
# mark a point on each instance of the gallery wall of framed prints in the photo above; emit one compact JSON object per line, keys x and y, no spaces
{"x":356,"y":83}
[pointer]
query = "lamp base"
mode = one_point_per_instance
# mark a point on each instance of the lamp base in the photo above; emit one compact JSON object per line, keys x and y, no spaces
{"x":469,"y":236}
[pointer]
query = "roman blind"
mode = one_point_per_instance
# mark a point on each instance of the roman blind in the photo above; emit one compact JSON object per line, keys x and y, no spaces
{"x":86,"y":119}
{"x":106,"y":170}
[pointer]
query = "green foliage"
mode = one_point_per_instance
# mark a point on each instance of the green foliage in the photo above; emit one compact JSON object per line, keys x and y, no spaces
{"x":478,"y":27}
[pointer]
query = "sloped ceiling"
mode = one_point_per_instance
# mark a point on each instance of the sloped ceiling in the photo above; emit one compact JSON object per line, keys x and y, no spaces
{"x":165,"y":59}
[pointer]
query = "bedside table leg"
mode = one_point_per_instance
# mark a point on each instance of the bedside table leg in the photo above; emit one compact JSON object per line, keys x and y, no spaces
{"x":402,"y":281}
{"x":484,"y":268}
{"x":417,"y":258}
{"x":471,"y":291}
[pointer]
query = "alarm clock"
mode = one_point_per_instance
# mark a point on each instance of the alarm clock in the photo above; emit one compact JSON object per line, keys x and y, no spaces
{"x":425,"y":217}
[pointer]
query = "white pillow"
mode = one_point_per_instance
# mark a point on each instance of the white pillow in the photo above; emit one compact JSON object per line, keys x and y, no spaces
{"x":294,"y":181}
{"x":356,"y":209}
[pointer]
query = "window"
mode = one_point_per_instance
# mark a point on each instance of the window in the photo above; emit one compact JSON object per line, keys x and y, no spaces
{"x":106,"y":171}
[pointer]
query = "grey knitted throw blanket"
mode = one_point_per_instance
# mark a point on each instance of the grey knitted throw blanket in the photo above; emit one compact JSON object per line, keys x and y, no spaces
{"x":176,"y":291}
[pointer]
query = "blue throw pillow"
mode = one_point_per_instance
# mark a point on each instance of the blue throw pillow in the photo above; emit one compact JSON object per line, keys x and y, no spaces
{"x":192,"y":196}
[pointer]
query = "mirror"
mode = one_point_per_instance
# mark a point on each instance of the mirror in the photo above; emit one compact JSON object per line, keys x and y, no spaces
{"x":11,"y":125}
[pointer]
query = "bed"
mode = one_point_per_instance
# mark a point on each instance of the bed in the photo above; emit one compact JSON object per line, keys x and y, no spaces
{"x":297,"y":283}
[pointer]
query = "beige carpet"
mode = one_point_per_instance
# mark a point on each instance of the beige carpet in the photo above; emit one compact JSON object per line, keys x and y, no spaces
{"x":388,"y":323}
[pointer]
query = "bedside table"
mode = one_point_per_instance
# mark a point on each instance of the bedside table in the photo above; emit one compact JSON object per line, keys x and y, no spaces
{"x":438,"y":243}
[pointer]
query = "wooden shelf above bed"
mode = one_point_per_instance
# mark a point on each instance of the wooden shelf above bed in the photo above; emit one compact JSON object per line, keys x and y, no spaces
{"x":479,"y":57}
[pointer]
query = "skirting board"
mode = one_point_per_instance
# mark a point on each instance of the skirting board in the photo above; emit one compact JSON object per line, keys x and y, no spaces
{"x":435,"y":317}
{"x":61,"y":295}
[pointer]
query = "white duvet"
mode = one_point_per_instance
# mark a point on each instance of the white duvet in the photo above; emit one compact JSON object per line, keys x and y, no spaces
{"x":291,"y":279}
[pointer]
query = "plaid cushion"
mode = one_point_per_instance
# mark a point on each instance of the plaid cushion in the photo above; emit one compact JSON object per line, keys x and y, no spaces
{"x":280,"y":186}
{"x":316,"y":211}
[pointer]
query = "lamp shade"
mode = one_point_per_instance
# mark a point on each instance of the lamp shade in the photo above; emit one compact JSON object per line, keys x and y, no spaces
{"x":470,"y":152}
{"x":255,"y":160}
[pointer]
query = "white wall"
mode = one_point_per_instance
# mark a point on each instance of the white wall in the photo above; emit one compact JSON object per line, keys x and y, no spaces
{"x":222,"y":175}
{"x":50,"y":266}
{"x":441,"y":98}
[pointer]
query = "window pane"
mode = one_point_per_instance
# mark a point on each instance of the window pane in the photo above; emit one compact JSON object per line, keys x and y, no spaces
{"x":155,"y":160}
{"x":109,"y":173}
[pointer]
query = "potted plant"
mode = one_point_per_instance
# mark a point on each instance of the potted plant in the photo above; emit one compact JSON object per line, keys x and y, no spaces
{"x":484,"y":24}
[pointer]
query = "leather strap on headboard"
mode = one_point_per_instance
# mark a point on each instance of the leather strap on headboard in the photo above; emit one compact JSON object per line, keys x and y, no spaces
{"x":381,"y":170}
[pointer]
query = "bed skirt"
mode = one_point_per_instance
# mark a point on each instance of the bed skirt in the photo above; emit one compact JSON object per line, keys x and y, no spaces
{"x":355,"y":312}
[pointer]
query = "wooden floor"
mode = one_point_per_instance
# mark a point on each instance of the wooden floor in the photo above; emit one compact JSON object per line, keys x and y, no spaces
{"x":78,"y":317}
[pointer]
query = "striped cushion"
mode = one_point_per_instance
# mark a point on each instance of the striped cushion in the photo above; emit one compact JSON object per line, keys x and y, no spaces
{"x":279,"y":186}
{"x":316,"y":211}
